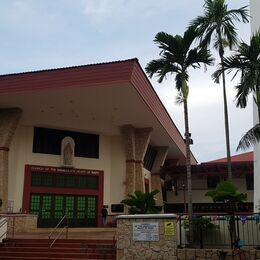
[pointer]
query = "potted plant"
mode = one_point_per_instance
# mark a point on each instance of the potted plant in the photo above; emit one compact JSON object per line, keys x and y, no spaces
{"x":142,"y":203}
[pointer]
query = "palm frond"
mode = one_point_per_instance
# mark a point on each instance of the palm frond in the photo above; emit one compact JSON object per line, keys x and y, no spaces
{"x":230,"y":34}
{"x":242,"y":95}
{"x":198,"y":56}
{"x":161,"y":67}
{"x":250,"y":138}
{"x":241,"y":14}
{"x":218,"y":22}
{"x":181,"y":80}
{"x":216,"y":75}
{"x":179,"y":98}
{"x":188,"y":38}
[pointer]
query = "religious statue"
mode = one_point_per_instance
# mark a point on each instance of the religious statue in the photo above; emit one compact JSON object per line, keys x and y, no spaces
{"x":67,"y":152}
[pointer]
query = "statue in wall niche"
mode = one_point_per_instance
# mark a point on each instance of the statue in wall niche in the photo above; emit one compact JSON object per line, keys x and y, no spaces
{"x":67,"y":155}
{"x":67,"y":152}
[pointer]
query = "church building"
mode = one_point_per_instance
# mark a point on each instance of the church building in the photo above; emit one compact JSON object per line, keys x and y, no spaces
{"x":74,"y":139}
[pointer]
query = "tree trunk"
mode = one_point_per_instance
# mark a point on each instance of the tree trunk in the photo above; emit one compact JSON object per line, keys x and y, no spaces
{"x":188,"y":165}
{"x":221,"y":54}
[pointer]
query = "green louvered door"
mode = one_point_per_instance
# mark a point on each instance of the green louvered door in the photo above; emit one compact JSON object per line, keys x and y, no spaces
{"x":91,"y":211}
{"x":81,"y":211}
{"x":41,"y":205}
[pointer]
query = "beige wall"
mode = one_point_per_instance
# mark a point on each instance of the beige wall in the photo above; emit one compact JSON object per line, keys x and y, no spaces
{"x":199,"y":188}
{"x":118,"y":169}
{"x":111,"y":161}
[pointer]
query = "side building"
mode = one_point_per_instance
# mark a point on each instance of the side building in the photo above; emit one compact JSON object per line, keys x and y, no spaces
{"x":75,"y":139}
{"x":255,"y":25}
{"x":205,"y":177}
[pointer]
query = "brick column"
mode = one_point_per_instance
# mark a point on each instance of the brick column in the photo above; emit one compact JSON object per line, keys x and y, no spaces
{"x":129,"y":139}
{"x":155,"y":173}
{"x":9,"y":119}
{"x":142,"y":139}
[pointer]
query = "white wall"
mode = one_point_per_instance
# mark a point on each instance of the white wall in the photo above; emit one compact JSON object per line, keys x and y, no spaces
{"x":255,"y":25}
{"x":199,"y":189}
{"x":111,"y":161}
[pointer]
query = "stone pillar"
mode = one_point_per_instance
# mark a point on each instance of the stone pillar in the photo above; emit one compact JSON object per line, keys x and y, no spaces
{"x":9,"y":119}
{"x":155,"y":173}
{"x":129,"y":138}
{"x":142,"y":139}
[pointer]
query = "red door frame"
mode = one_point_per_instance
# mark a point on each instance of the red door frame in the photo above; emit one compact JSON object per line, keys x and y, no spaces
{"x":28,"y":189}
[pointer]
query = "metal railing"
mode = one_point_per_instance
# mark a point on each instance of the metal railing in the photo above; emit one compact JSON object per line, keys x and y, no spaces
{"x":60,"y":232}
{"x":3,"y":221}
{"x":247,"y":230}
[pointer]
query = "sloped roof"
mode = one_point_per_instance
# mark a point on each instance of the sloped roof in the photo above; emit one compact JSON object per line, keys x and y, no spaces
{"x":244,"y":157}
{"x":93,"y":76}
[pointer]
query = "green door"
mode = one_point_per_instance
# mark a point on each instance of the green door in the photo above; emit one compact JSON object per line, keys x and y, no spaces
{"x":91,"y":211}
{"x":59,"y":210}
{"x":70,"y":210}
{"x":81,"y":211}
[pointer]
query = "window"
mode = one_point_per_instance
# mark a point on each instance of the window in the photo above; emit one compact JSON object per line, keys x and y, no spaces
{"x":149,"y":157}
{"x":117,"y":208}
{"x":250,"y":181}
{"x":48,"y":141}
{"x":213,"y":181}
{"x":42,"y":179}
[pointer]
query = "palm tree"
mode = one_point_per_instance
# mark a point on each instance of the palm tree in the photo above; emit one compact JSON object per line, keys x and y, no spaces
{"x":217,"y":25}
{"x":176,"y":57}
{"x":246,"y":62}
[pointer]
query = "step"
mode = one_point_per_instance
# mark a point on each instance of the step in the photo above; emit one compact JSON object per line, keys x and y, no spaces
{"x":69,"y":240}
{"x":82,"y":249}
{"x":29,"y":255}
{"x":46,"y":258}
{"x":59,"y":245}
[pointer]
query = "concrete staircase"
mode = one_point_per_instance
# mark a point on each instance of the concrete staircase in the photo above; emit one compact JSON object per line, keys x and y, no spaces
{"x":66,"y":249}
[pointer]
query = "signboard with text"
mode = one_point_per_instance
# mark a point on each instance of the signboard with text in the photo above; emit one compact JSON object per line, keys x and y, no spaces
{"x":145,"y":231}
{"x":169,"y":230}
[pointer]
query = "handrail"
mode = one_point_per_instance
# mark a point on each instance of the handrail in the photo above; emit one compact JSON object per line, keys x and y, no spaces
{"x":3,"y":234}
{"x":57,"y":226}
{"x":3,"y":222}
{"x":59,"y":234}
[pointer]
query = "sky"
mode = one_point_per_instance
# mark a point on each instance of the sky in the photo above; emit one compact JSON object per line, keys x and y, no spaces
{"x":38,"y":34}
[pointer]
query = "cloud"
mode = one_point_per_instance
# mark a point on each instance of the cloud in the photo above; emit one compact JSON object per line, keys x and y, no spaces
{"x":101,"y":11}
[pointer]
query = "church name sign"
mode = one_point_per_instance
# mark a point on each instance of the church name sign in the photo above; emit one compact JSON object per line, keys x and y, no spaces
{"x":63,"y":170}
{"x":145,"y":231}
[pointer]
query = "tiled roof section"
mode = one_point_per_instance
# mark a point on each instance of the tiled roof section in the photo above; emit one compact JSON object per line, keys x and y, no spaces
{"x":72,"y":77}
{"x":70,"y":67}
{"x":244,"y":157}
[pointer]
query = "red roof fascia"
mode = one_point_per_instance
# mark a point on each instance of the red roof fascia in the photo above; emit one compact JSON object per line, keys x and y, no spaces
{"x":71,"y":77}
